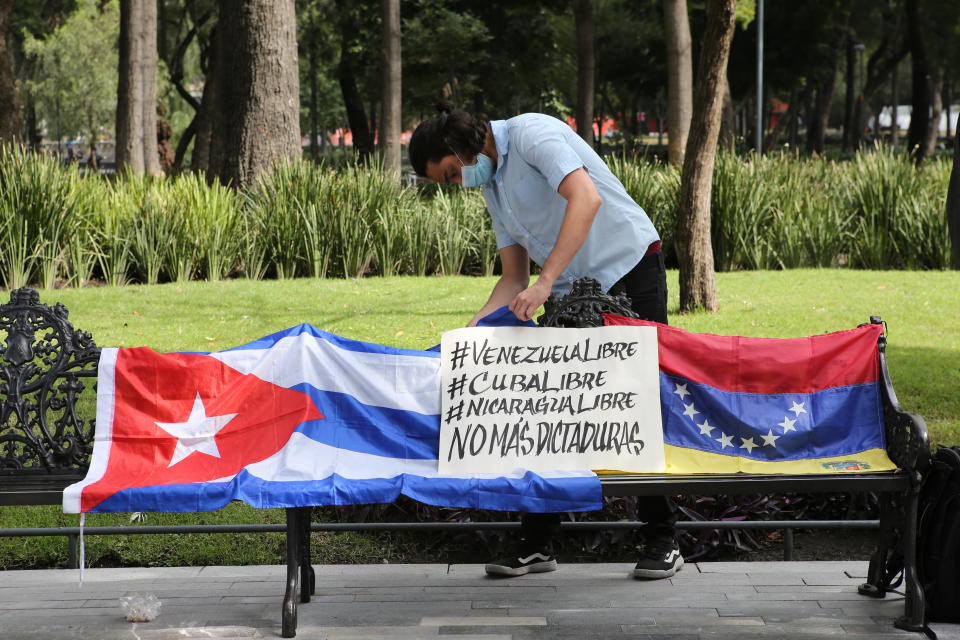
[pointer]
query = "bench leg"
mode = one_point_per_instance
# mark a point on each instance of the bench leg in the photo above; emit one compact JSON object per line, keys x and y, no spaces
{"x":307,"y":577}
{"x":876,"y":586}
{"x":914,"y":604}
{"x":294,"y":548}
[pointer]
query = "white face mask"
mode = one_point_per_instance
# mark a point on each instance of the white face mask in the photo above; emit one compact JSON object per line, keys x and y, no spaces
{"x":475,"y":175}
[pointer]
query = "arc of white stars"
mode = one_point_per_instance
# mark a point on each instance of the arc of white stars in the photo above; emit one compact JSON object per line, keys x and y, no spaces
{"x":748,"y":444}
{"x":690,"y":410}
{"x":787,"y":424}
{"x":706,"y":429}
{"x":681,"y":390}
{"x":770,"y":440}
{"x":725,"y":441}
{"x":797,"y":408}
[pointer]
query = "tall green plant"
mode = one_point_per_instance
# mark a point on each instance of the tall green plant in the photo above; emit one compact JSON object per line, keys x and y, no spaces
{"x":898,"y":212}
{"x":656,"y":188}
{"x":210,"y":218}
{"x":43,"y":206}
{"x":743,"y":202}
{"x":452,"y":233}
{"x":273,"y":205}
{"x":137,"y":230}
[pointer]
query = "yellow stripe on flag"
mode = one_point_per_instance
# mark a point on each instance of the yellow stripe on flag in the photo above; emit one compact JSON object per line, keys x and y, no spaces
{"x":683,"y":461}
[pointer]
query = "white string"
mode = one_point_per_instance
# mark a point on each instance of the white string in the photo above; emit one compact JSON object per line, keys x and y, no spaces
{"x":83,"y":551}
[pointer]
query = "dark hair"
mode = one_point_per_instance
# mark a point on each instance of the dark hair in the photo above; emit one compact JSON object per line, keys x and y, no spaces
{"x":453,"y":130}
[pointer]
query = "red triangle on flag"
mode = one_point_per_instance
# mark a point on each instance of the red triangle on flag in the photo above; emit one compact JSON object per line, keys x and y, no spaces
{"x":160,"y":397}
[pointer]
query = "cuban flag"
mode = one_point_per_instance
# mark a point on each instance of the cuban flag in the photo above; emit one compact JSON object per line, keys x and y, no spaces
{"x":770,"y":405}
{"x":298,"y":418}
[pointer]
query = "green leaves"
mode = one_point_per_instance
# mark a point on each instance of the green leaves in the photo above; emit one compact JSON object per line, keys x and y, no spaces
{"x":58,"y":226}
{"x":44,"y":208}
{"x":787,"y":211}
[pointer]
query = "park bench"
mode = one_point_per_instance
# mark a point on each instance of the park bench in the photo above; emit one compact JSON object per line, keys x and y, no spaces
{"x":45,"y":442}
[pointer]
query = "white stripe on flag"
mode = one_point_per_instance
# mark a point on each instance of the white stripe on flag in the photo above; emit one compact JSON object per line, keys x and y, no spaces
{"x":303,"y":459}
{"x":103,"y":433}
{"x":410,"y":383}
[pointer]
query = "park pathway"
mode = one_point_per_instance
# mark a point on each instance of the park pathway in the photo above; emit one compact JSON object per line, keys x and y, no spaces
{"x":719,"y":600}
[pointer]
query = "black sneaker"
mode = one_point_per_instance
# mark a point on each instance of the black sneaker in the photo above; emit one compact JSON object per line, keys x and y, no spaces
{"x":659,"y":560}
{"x":539,"y":561}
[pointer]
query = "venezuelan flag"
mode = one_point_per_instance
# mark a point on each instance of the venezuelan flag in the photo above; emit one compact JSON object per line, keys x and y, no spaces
{"x":770,"y":405}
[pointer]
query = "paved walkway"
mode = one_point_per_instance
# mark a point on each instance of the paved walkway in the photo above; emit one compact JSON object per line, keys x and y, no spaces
{"x":590,"y":601}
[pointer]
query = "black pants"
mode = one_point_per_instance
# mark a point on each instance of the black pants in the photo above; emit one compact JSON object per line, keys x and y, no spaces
{"x":646,"y":286}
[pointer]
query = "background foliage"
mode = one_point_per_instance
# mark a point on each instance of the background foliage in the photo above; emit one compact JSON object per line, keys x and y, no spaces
{"x":777,"y":211}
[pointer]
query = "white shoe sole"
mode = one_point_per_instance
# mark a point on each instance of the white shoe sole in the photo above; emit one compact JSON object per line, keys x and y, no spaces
{"x":655,"y":574}
{"x":536,"y":567}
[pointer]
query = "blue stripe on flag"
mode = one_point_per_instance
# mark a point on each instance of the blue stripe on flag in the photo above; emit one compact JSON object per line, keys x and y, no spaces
{"x":344,"y":343}
{"x":789,"y":426}
{"x":350,"y":424}
{"x":532,"y":493}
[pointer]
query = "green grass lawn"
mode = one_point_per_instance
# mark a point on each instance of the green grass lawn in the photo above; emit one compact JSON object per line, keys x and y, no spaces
{"x":921,"y":309}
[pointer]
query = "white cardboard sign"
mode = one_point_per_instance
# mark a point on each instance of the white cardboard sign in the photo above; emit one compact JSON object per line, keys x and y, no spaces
{"x":549,"y":399}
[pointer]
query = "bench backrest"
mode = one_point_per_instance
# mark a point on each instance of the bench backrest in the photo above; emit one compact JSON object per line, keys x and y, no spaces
{"x":44,"y":432}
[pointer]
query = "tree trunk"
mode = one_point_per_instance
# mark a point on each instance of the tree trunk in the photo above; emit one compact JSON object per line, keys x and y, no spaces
{"x":9,"y":105}
{"x":679,"y":77}
{"x":184,"y":143}
{"x":34,"y":138}
{"x":817,"y":129}
{"x":728,"y":133}
{"x":586,"y":69}
{"x":136,"y":136}
{"x":200,"y":160}
{"x":920,"y":86}
{"x":390,"y":122}
{"x":129,"y":136}
{"x":359,"y":126}
{"x":849,"y":115}
{"x":257,"y":115}
{"x":148,"y":71}
{"x":895,"y":107}
{"x":936,"y":111}
{"x":794,"y":131}
{"x":313,"y":67}
{"x":953,"y":205}
{"x":784,"y":123}
{"x":947,"y":99}
{"x":660,"y":123}
{"x":694,"y":249}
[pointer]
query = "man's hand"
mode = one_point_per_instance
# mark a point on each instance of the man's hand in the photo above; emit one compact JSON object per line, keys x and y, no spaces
{"x":526,"y":303}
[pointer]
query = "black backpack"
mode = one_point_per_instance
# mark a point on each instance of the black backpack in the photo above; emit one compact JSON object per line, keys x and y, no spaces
{"x":938,"y":540}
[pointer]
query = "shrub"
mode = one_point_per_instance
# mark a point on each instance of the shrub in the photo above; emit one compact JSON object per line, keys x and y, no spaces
{"x":780,"y":211}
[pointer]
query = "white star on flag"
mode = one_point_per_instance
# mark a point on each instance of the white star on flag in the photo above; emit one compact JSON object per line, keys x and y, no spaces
{"x":770,"y":440}
{"x":706,"y":428}
{"x":689,"y":410}
{"x":197,"y":433}
{"x":681,"y":390}
{"x":798,"y":408}
{"x":748,"y":444}
{"x":787,"y":424}
{"x":725,"y":441}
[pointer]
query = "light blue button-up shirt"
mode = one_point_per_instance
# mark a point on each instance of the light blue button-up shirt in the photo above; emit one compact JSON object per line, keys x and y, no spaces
{"x":535,"y":153}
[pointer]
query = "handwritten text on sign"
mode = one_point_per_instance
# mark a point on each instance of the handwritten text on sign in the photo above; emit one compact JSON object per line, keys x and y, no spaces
{"x":550,"y":399}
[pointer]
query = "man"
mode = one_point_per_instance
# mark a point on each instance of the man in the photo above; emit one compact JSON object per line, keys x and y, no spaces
{"x":552,"y":199}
